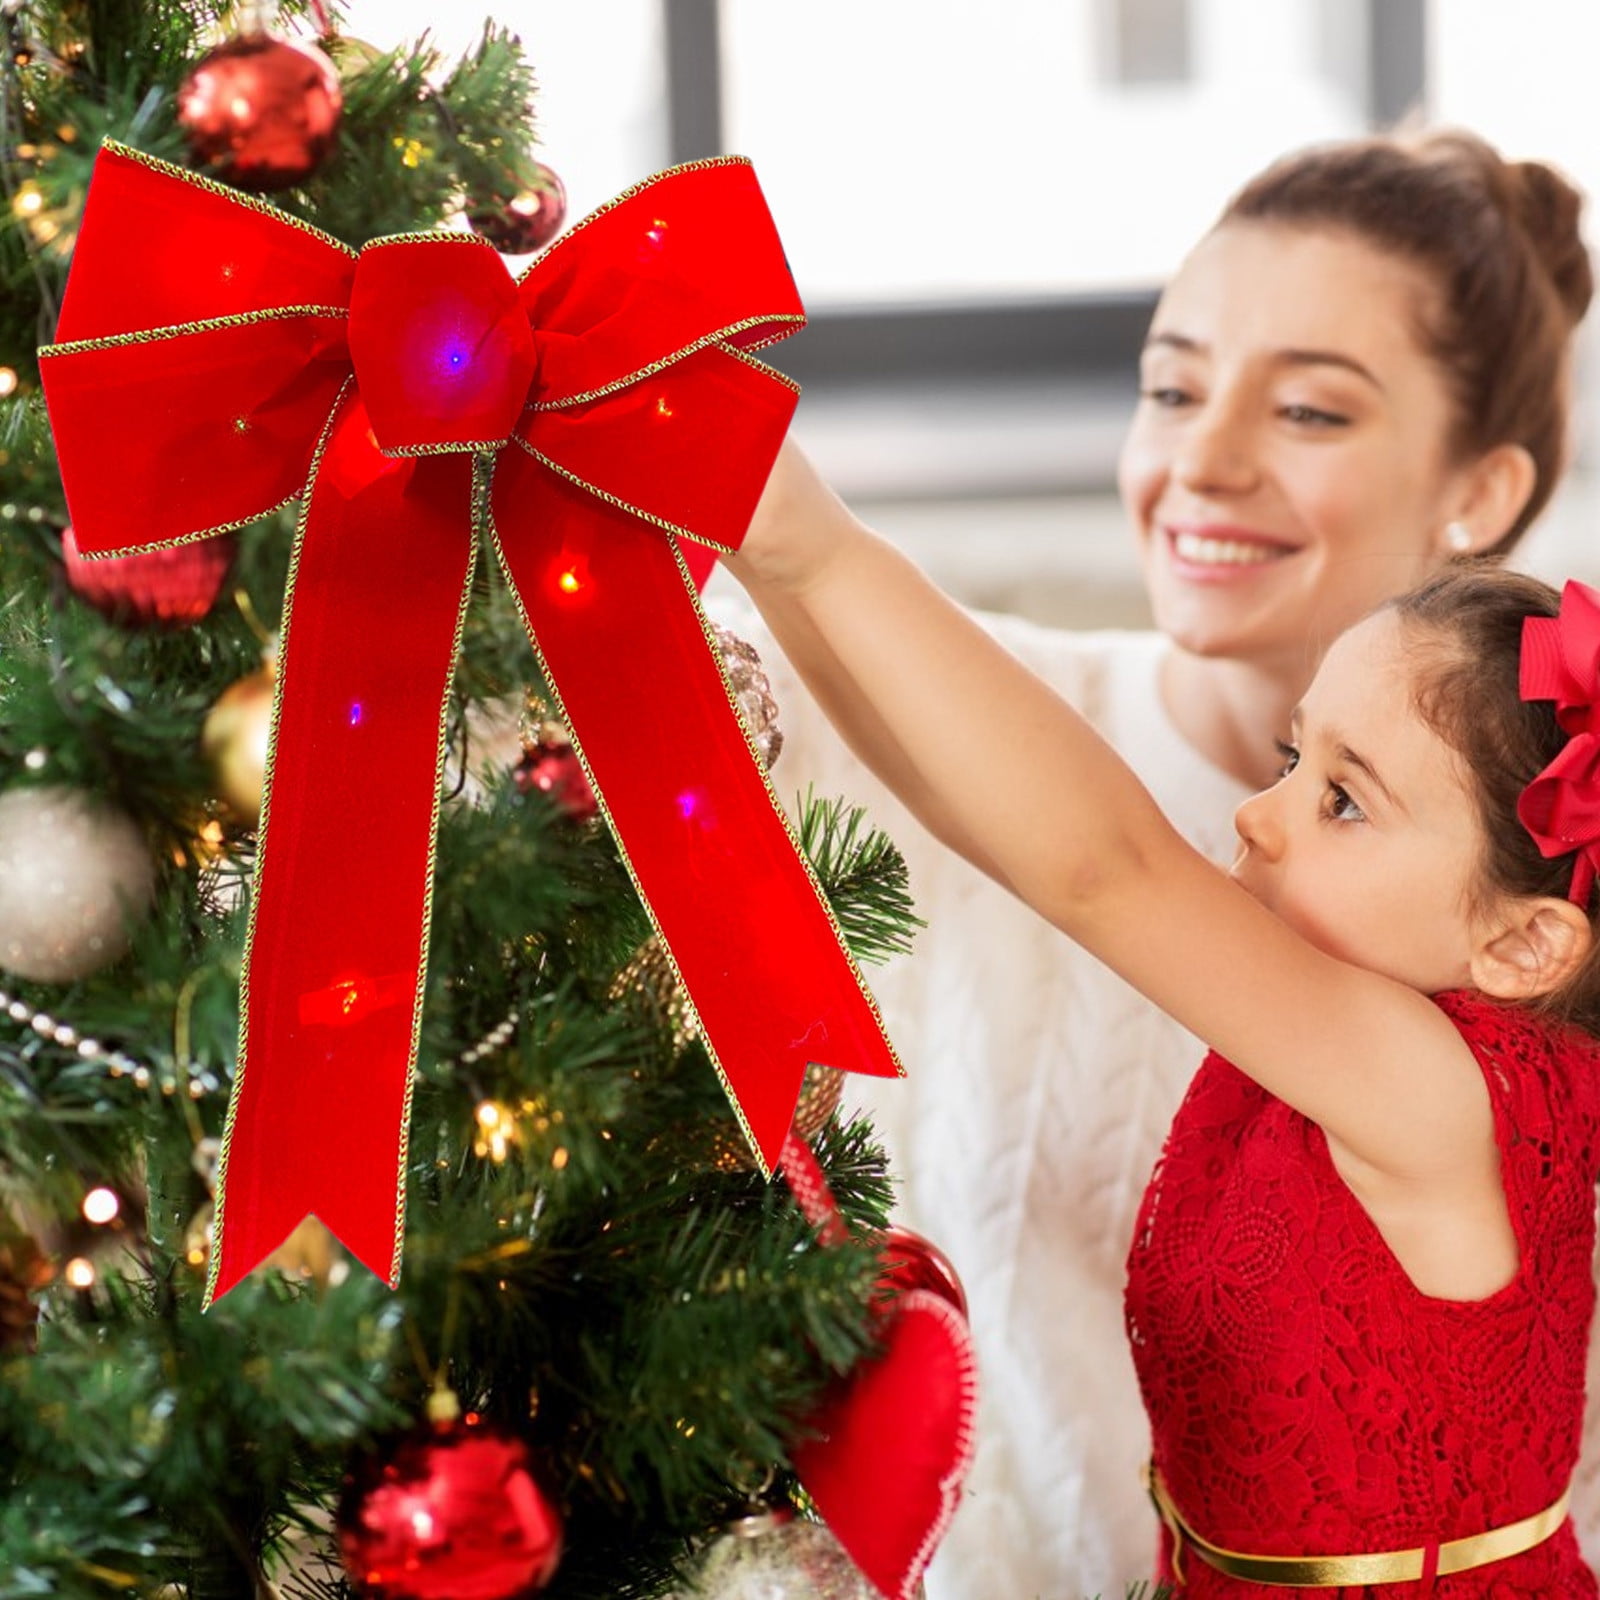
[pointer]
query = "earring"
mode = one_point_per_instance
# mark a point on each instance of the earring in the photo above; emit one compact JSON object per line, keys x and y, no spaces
{"x":1457,"y":538}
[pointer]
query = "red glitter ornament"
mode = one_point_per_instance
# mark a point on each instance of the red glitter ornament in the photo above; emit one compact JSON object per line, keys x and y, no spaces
{"x":452,"y":1511}
{"x":165,"y":588}
{"x":526,"y":221}
{"x":911,"y":1262}
{"x":261,"y":110}
{"x":553,"y":768}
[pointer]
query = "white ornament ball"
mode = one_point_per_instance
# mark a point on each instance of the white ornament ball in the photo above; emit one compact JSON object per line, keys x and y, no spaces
{"x":777,"y":1556}
{"x":73,"y":875}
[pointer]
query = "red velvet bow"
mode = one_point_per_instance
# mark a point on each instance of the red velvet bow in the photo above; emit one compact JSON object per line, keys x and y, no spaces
{"x":218,"y":359}
{"x":1561,"y":662}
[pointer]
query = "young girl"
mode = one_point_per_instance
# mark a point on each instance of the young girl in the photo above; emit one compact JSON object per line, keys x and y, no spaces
{"x":1440,"y":285}
{"x":1359,"y":1289}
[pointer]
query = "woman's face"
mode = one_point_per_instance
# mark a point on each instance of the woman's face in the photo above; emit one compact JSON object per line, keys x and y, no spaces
{"x":1287,"y":468}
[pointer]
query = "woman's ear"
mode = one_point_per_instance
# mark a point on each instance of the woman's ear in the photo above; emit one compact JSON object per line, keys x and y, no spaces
{"x":1499,"y":485}
{"x":1534,"y":950}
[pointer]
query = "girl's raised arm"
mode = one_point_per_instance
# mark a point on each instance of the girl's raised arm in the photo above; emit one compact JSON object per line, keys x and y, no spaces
{"x":1062,"y":822}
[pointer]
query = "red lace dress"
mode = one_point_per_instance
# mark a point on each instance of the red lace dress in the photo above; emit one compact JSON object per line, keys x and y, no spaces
{"x":1304,"y":1397}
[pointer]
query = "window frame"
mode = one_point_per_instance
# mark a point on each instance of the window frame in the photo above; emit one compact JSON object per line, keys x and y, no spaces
{"x":1094,"y":337}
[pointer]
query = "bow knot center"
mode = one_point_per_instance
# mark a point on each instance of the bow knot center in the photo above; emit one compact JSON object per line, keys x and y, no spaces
{"x":440,"y":343}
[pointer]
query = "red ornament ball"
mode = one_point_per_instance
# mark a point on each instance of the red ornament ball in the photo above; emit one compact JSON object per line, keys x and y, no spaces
{"x":528,"y":220}
{"x":908,"y":1261}
{"x":162,"y":588}
{"x":263,"y":111}
{"x":453,"y":1510}
{"x":554,"y":769}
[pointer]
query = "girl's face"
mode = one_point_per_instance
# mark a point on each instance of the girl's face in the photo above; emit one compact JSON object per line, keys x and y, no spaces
{"x":1369,"y":844}
{"x":1287,"y":467}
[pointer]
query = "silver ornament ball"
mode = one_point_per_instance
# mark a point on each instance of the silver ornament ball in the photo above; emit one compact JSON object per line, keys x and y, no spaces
{"x":777,"y":1556}
{"x":73,"y":875}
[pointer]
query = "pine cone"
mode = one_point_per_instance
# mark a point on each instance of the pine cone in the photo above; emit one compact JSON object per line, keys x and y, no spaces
{"x":23,"y":1269}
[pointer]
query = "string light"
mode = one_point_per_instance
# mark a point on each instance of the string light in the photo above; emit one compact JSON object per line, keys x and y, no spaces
{"x":80,"y":1273}
{"x":197,"y":1085}
{"x":117,"y":1063}
{"x":101,"y":1206}
{"x":497,"y":1131}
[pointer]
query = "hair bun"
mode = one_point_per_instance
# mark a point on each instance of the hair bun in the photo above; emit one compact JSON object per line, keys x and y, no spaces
{"x":1548,"y":208}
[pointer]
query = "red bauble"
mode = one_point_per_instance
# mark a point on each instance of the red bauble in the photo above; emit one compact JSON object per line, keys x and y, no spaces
{"x":528,"y":220}
{"x":263,"y":111}
{"x":452,"y":1512}
{"x":908,"y":1261}
{"x":554,"y":769}
{"x":168,"y":588}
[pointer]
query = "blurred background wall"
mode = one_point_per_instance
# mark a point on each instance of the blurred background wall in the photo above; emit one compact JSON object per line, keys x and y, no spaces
{"x":981,"y":198}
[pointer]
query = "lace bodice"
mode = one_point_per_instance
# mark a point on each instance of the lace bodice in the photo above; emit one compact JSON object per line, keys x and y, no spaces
{"x":1305,"y":1397}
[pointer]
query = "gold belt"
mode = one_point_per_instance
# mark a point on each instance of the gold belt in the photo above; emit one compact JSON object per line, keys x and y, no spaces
{"x":1379,"y":1566}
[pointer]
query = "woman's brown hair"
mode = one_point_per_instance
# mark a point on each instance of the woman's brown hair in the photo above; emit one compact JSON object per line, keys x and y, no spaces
{"x":1499,"y":240}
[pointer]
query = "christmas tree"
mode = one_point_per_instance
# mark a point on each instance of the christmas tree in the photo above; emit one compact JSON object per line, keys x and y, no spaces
{"x":610,"y":1326}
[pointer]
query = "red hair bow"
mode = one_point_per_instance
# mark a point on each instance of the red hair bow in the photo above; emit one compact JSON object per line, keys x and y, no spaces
{"x":218,"y":359}
{"x":1561,"y":662}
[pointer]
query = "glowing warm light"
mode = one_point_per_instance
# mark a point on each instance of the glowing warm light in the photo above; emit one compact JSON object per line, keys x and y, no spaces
{"x":663,"y":410}
{"x":101,"y":1206}
{"x":8,"y":381}
{"x":558,"y":1157}
{"x":569,"y":582}
{"x":79,"y":1273}
{"x":497,"y":1130}
{"x":28,"y":201}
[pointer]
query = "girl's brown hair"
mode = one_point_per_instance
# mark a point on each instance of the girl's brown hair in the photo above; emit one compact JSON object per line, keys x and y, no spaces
{"x":1499,"y":240}
{"x":1464,"y":632}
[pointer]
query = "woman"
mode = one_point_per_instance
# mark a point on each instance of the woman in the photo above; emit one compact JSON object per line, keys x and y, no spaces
{"x":1361,"y":373}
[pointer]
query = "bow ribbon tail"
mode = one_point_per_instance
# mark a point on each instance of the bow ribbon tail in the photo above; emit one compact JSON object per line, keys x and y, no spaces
{"x":613,"y":614}
{"x":334,"y":965}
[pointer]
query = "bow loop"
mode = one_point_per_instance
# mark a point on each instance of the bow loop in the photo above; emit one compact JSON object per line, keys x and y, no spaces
{"x":1561,"y":658}
{"x":1560,"y":808}
{"x":205,"y":252}
{"x":440,"y":344}
{"x":680,"y":268}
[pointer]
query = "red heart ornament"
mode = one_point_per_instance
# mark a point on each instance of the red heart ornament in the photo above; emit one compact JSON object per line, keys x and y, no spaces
{"x":886,"y":1452}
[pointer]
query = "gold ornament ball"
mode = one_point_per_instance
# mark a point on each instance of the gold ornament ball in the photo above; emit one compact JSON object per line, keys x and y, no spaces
{"x":235,"y":738}
{"x":74,"y":874}
{"x":752,"y":694}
